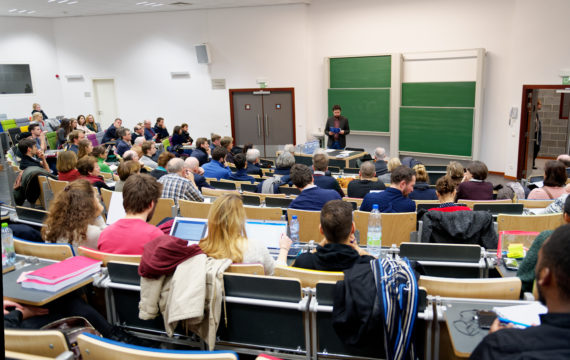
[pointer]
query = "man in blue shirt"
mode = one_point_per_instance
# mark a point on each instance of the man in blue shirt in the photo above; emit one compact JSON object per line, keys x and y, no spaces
{"x":216,"y":168}
{"x":111,"y":133}
{"x":202,"y":151}
{"x":124,"y":143}
{"x":395,"y":198}
{"x":312,"y":197}
{"x":252,"y":157}
{"x":321,"y":179}
{"x":215,"y":141}
{"x":39,"y":136}
{"x":149,"y":133}
{"x":241,"y":167}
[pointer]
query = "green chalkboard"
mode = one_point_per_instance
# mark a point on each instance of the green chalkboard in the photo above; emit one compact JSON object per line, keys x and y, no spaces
{"x":360,"y":72}
{"x":441,"y":94}
{"x":436,"y":131}
{"x":366,"y":109}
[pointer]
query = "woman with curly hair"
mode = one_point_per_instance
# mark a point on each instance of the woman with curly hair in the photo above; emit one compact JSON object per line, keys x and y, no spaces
{"x":74,"y":216}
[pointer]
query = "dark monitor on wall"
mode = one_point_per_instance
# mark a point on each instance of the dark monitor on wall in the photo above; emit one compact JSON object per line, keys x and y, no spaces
{"x":15,"y":79}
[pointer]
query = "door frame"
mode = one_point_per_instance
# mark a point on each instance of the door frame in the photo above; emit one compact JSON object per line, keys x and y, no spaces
{"x":95,"y":99}
{"x":292,"y":90}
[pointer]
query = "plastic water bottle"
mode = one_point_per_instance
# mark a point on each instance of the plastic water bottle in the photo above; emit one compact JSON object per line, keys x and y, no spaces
{"x":374,"y":239}
{"x":294,"y":230}
{"x":8,"y":253}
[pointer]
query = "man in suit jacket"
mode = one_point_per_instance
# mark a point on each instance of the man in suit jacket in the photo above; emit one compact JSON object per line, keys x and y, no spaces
{"x":358,"y":188}
{"x":380,"y":161}
{"x":312,"y":198}
{"x":336,"y":129}
{"x":320,"y":166}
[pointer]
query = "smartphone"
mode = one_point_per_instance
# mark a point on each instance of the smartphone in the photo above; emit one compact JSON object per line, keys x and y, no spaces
{"x":486,"y":318}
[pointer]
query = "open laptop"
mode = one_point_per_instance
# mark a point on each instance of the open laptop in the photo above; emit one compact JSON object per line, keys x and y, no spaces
{"x":268,"y":232}
{"x":31,"y":216}
{"x":190,"y":229}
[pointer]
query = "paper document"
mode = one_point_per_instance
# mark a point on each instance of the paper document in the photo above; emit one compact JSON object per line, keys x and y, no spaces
{"x":116,"y":210}
{"x":523,"y":314}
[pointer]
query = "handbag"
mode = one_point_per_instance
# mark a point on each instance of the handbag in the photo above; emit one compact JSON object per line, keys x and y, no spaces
{"x":72,"y":327}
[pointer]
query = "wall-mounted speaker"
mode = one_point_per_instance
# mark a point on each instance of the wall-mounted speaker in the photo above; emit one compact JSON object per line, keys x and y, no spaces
{"x":203,"y":54}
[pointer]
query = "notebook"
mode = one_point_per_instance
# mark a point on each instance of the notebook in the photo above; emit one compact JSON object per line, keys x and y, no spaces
{"x":190,"y":229}
{"x":116,"y":210}
{"x":57,"y":276}
{"x":267,"y":232}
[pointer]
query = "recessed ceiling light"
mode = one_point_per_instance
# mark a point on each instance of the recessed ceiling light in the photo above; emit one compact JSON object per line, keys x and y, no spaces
{"x":49,"y":1}
{"x":13,"y":10}
{"x":31,"y":11}
{"x":72,"y":2}
{"x":62,"y":1}
{"x":157,"y":5}
{"x":141,"y":3}
{"x":22,"y":11}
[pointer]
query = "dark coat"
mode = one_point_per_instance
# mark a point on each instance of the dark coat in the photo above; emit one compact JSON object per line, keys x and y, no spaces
{"x":343,"y":126}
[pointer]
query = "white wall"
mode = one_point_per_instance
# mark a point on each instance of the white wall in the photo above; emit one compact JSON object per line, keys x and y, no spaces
{"x":286,"y":45}
{"x":31,"y":41}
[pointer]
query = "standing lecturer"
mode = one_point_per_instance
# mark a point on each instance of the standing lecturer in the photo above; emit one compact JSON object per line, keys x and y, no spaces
{"x":336,"y":129}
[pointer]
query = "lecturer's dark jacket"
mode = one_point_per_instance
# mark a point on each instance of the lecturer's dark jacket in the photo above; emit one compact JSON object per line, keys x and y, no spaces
{"x":343,"y":126}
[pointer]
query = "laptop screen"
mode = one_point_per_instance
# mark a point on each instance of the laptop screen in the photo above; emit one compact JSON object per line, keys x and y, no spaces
{"x":265,"y":231}
{"x":189,"y":229}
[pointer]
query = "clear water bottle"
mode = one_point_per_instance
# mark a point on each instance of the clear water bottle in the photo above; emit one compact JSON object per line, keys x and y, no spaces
{"x":294,"y":230}
{"x":8,"y":253}
{"x":374,"y":239}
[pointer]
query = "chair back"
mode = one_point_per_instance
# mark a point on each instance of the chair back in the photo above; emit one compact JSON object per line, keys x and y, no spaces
{"x":278,"y":202}
{"x":57,"y":186}
{"x":264,"y":197}
{"x":249,"y":187}
{"x":470,"y":203}
{"x":96,"y":348}
{"x":107,"y":175}
{"x":533,"y":204}
{"x":435,"y":203}
{"x":495,"y":288}
{"x":354,"y":171}
{"x":358,"y":201}
{"x":106,"y":257}
{"x":194,"y":209}
{"x":529,"y":223}
{"x":308,"y":278}
{"x":251,"y":200}
{"x":441,"y":252}
{"x":396,"y":227}
{"x":106,"y":195}
{"x":253,"y":269}
{"x":217,"y":192}
{"x":93,"y":139}
{"x":164,"y":208}
{"x":287,"y":190}
{"x":43,"y":250}
{"x":51,"y":138}
{"x":309,"y":222}
{"x":496,"y":209}
{"x":43,"y":199}
{"x":263,"y":213}
{"x":48,"y":343}
{"x":334,"y":169}
{"x":224,"y":185}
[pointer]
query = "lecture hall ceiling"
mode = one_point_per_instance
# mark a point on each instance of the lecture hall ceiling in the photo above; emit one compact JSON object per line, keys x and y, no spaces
{"x":69,"y":8}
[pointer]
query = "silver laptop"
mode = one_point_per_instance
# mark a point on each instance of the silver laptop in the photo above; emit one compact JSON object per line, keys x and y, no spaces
{"x":267,"y":232}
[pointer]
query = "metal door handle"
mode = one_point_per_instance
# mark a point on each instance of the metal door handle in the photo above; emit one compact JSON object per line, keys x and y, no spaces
{"x":266,"y":126}
{"x":258,"y":126}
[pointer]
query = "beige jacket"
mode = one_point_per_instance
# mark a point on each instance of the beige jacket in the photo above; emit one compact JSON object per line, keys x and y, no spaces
{"x":192,"y":294}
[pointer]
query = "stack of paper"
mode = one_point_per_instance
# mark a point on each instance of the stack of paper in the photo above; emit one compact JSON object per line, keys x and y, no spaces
{"x":525,"y":315}
{"x":55,"y":277}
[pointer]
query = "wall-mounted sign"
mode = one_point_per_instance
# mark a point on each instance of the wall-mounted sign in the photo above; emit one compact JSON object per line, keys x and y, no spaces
{"x":247,"y":106}
{"x":278,"y":106}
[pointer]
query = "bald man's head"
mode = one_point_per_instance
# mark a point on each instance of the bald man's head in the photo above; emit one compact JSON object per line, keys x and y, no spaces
{"x":565,"y":159}
{"x":192,"y":163}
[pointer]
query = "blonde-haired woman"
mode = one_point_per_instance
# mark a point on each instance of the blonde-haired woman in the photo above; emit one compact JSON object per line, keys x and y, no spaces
{"x":422,"y":191}
{"x":74,"y":216}
{"x":85,"y":148}
{"x":227,"y":238}
{"x":455,"y":171}
{"x":392,"y":164}
{"x":91,"y":124}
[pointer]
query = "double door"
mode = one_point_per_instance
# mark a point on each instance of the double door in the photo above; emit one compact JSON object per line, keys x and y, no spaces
{"x":264,"y":118}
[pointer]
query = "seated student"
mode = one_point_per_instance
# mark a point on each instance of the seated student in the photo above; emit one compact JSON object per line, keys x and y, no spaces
{"x":252,"y":157}
{"x":564,"y":159}
{"x":91,"y":124}
{"x":290,"y":148}
{"x":187,"y":138}
{"x":380,"y":165}
{"x":202,"y":151}
{"x":100,"y":153}
{"x":526,"y":268}
{"x":549,"y":340}
{"x":227,"y":142}
{"x":281,"y":175}
{"x":38,"y":135}
{"x":241,"y":169}
{"x":30,"y":152}
{"x":216,"y":168}
{"x":178,"y":138}
{"x":138,"y":132}
{"x":89,"y":170}
{"x":445,"y":191}
{"x":129,"y":234}
{"x":456,"y":172}
{"x":74,"y":138}
{"x":131,"y":155}
{"x":193,"y":165}
{"x":62,"y":132}
{"x":179,"y":182}
{"x":320,"y":167}
{"x":339,"y":251}
{"x":126,"y":169}
{"x":66,"y":163}
{"x":160,"y":129}
{"x":394,"y":199}
{"x":392,"y":164}
{"x":474,"y":186}
{"x":75,"y":216}
{"x":215,"y":141}
{"x":124,"y":142}
{"x":227,"y":238}
{"x":358,"y":188}
{"x":85,"y":148}
{"x":312,"y":197}
{"x":111,"y":133}
{"x":149,"y":133}
{"x":554,"y":182}
{"x":149,"y":149}
{"x":422,"y":191}
{"x":163,"y":159}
